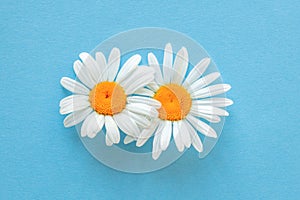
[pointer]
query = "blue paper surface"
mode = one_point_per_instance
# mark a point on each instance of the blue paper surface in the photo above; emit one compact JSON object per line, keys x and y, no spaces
{"x":255,"y":45}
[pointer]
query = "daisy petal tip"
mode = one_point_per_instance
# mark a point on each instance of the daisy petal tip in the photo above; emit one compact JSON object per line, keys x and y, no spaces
{"x":66,"y":125}
{"x":214,"y":135}
{"x":151,"y":55}
{"x":116,"y":49}
{"x":83,"y":133}
{"x":139,"y":143}
{"x":63,"y":80}
{"x":155,"y":156}
{"x":168,"y":45}
{"x":207,"y":59}
{"x":227,"y":87}
{"x":83,"y":55}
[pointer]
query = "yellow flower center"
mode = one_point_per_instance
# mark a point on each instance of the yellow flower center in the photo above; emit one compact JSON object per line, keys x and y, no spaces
{"x":175,"y":100}
{"x":107,"y":98}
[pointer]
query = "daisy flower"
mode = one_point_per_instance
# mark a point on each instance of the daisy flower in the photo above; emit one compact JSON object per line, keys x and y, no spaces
{"x":104,"y":97}
{"x":184,"y":102}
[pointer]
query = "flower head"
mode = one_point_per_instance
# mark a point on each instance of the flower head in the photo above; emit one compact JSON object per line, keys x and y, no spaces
{"x":185,"y":102}
{"x":105,"y":96}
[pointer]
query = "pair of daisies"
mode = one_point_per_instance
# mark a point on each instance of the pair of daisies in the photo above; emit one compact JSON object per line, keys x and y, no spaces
{"x":143,"y":101}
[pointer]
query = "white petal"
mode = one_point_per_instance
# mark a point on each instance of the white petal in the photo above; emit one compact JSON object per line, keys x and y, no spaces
{"x":142,"y":109}
{"x":83,"y":74}
{"x":92,"y":125}
{"x":146,"y":134}
{"x":196,"y":142}
{"x":167,"y":63}
{"x":202,"y":127}
{"x":91,"y":65}
{"x":108,"y":141}
{"x":101,"y":61}
{"x":112,"y":130}
{"x":71,"y":98}
{"x":184,"y":133}
{"x":77,"y":117}
{"x":144,"y":100}
{"x":177,"y":138}
{"x":211,"y":91}
{"x":74,"y":86}
{"x":210,"y":118}
{"x":140,"y":120}
{"x":180,"y":65}
{"x":152,"y":60}
{"x":75,"y":105}
{"x":113,"y":64}
{"x":166,"y":135}
{"x":144,"y":92}
{"x":153,"y":86}
{"x":129,"y":66}
{"x":217,"y":102}
{"x":126,"y":124}
{"x":128,"y":139}
{"x":156,"y":151}
{"x":203,"y":82}
{"x":209,"y":110}
{"x":197,"y":71}
{"x":138,"y":79}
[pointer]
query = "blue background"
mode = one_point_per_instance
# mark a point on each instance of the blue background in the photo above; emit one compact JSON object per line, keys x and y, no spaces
{"x":256,"y":47}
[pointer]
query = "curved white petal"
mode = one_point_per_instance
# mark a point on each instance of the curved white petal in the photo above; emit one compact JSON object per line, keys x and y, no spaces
{"x":101,"y":61}
{"x":140,"y":120}
{"x":156,"y":150}
{"x":108,"y":141}
{"x":196,"y":142}
{"x":211,"y":110}
{"x":203,"y":82}
{"x":91,"y":65}
{"x":201,"y":126}
{"x":142,"y":109}
{"x":197,"y":71}
{"x":113,"y":64}
{"x":71,"y":98}
{"x":74,"y":86}
{"x":144,"y":92}
{"x":145,"y":100}
{"x":129,"y":66}
{"x":177,"y":138}
{"x":152,"y":60}
{"x":167,"y":63}
{"x":126,"y":124}
{"x":153,"y":86}
{"x":128,"y":139}
{"x":77,"y":117}
{"x":83,"y":75}
{"x":217,"y":102}
{"x":166,"y":135}
{"x":211,"y":91}
{"x":75,"y":105}
{"x":184,"y":133}
{"x":146,"y":134}
{"x":208,"y":117}
{"x":138,"y":79}
{"x":92,"y":125}
{"x":112,"y":130}
{"x":180,"y":66}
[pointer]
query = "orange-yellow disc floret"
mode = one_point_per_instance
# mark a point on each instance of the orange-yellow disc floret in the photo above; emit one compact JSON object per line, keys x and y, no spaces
{"x":107,"y":98}
{"x":176,"y":102}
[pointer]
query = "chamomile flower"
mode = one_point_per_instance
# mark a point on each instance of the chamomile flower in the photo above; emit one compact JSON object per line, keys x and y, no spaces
{"x":104,"y":97}
{"x":184,"y":102}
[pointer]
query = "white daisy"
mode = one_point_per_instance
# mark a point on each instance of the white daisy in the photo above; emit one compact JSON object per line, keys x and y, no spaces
{"x":184,"y":102}
{"x":104,"y":98}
